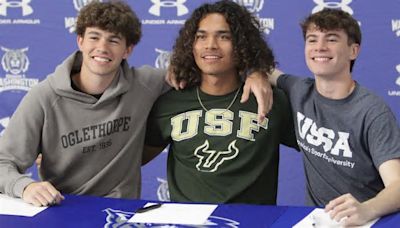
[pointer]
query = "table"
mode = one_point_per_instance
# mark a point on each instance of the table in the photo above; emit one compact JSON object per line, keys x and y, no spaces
{"x":90,"y":211}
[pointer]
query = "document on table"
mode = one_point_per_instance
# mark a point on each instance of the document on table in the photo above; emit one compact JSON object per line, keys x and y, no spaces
{"x":319,"y":218}
{"x":14,"y":206}
{"x":173,"y":213}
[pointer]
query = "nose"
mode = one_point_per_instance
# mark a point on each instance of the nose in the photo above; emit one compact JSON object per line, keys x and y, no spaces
{"x":320,"y":45}
{"x":211,"y":43}
{"x":102,"y":46}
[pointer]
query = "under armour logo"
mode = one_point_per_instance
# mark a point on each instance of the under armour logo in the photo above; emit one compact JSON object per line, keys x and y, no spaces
{"x":181,"y":9}
{"x":253,"y":6}
{"x":343,"y":5}
{"x":23,"y":4}
{"x":210,"y":160}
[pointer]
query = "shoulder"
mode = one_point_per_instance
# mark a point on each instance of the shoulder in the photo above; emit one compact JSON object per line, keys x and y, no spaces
{"x":148,"y":74}
{"x":281,"y":100}
{"x":174,"y":101}
{"x":149,"y":70}
{"x":288,"y":82}
{"x":370,"y":101}
{"x":42,"y":90}
{"x":176,"y":95}
{"x":149,"y":78}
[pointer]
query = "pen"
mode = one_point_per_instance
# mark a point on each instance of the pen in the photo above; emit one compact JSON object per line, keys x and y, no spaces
{"x":148,"y":208}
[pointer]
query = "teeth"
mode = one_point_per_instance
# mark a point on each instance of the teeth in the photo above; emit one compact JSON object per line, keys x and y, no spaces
{"x":321,"y":59}
{"x":100,"y":59}
{"x":211,"y":57}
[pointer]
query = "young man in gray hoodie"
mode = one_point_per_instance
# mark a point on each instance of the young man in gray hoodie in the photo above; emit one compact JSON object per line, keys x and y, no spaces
{"x":87,"y":118}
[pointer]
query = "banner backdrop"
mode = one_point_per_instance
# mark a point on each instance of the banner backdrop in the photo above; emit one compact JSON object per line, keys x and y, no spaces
{"x":36,"y":35}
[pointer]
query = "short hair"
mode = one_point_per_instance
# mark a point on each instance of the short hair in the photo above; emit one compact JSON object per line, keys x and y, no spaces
{"x":112,"y":16}
{"x":251,"y":52}
{"x":334,"y":19}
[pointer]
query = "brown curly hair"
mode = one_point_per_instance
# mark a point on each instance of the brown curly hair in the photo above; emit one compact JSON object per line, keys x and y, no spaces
{"x":250,"y":49}
{"x":113,"y":16}
{"x":334,"y":19}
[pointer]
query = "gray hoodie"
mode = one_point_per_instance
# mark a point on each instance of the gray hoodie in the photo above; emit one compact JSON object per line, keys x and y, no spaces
{"x":90,"y":146}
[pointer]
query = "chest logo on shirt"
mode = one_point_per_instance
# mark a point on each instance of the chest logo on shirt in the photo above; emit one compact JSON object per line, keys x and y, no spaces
{"x":210,"y":160}
{"x":217,"y":122}
{"x":331,"y":141}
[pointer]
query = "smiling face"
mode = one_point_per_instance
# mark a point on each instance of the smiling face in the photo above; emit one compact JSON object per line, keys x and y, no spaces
{"x":328,"y":53}
{"x":102,"y":52}
{"x":212,"y":49}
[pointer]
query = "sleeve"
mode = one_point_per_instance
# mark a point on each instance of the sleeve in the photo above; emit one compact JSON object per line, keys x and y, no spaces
{"x":288,"y":135}
{"x":383,"y":138}
{"x":153,"y":79}
{"x":286,"y":82}
{"x":154,"y":134}
{"x":19,"y":146}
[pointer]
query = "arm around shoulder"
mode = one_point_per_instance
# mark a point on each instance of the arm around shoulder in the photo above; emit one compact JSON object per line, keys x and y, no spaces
{"x":273,"y":77}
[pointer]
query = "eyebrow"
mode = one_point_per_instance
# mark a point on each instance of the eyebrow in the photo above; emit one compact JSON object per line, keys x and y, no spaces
{"x":218,"y":31}
{"x":326,"y":35}
{"x":114,"y":36}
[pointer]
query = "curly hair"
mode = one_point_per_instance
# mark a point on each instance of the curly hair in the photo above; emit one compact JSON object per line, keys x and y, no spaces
{"x":113,"y":16}
{"x":334,"y":19}
{"x":250,"y":49}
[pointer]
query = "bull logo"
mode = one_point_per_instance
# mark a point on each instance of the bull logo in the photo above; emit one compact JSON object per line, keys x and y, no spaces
{"x":210,"y":160}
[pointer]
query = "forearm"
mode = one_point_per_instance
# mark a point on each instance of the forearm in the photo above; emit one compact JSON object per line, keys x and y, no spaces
{"x":12,"y":182}
{"x":385,"y":202}
{"x":273,"y":77}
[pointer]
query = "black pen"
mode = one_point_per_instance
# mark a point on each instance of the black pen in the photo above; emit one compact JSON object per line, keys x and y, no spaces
{"x":148,"y":208}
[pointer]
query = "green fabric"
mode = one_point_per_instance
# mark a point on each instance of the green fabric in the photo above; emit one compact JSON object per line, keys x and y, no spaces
{"x":220,"y":158}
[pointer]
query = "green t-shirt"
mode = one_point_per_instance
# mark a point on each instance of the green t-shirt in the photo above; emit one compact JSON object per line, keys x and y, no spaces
{"x":220,"y":155}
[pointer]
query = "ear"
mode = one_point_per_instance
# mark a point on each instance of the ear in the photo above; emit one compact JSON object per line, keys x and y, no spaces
{"x":128,"y":51}
{"x":79,"y":41}
{"x":354,"y":51}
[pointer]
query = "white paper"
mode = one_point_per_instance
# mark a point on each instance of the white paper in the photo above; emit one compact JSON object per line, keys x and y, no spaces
{"x":14,"y":206}
{"x":319,"y":218}
{"x":173,"y":213}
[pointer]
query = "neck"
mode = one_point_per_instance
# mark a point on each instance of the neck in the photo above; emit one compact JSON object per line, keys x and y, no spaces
{"x":91,"y":84}
{"x":219,"y":86}
{"x":335,"y":88}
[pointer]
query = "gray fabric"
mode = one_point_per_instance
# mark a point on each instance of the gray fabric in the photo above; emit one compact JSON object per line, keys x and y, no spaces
{"x":343,"y":141}
{"x":89,"y":146}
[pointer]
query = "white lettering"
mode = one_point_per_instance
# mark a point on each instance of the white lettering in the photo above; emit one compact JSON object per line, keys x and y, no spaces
{"x":316,"y":136}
